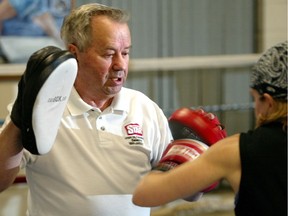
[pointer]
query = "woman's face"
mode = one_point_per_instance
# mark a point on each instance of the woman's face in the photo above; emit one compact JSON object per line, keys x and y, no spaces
{"x":103,"y":67}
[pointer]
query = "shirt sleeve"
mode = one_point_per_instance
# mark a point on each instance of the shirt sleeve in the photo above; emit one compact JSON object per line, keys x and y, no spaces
{"x":164,"y":139}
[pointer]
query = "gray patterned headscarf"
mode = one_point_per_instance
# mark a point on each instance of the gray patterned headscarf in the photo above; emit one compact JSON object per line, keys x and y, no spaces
{"x":269,"y":75}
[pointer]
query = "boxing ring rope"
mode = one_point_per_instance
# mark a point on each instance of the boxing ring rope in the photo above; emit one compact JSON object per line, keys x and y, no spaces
{"x":199,"y":62}
{"x":12,"y":72}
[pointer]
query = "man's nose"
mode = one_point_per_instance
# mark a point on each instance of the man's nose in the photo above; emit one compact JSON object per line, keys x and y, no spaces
{"x":119,"y":63}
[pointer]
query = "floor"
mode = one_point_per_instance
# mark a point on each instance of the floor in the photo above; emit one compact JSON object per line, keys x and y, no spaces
{"x":216,"y":203}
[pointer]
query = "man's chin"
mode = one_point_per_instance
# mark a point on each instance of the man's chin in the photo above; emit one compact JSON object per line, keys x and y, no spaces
{"x":113,"y":90}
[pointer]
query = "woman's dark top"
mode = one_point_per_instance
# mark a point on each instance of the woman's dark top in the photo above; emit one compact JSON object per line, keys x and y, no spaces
{"x":263,"y":186}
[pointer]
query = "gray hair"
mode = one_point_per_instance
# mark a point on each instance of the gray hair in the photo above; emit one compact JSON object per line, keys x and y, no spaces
{"x":76,"y":28}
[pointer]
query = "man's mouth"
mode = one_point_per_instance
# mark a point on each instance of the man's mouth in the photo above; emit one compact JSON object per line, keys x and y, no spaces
{"x":117,"y":76}
{"x":117,"y":79}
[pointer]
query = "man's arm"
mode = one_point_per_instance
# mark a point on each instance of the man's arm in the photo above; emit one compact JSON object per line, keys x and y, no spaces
{"x":6,"y":10}
{"x":73,"y":4}
{"x":11,"y":151}
{"x":48,"y":24}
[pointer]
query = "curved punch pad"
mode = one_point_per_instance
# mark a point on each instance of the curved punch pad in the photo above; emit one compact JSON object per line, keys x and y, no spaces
{"x":48,"y":81}
{"x":196,"y":124}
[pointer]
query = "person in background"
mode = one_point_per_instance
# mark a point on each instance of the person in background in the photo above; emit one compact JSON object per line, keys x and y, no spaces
{"x":109,"y":136}
{"x":33,"y":18}
{"x":254,"y":163}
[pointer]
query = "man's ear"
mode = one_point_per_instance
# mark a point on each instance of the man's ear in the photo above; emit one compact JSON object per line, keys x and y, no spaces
{"x":73,"y":49}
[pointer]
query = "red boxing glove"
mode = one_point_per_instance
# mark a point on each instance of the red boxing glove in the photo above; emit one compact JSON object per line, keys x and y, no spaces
{"x":181,"y":151}
{"x":196,"y":124}
{"x":186,"y":123}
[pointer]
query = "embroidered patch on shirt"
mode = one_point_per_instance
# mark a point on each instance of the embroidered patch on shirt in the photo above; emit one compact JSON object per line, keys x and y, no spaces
{"x":134,"y":134}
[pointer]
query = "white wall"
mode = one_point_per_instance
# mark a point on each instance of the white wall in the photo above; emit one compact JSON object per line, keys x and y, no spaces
{"x":274,"y":24}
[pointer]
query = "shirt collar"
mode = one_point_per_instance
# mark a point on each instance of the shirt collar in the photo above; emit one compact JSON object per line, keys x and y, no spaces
{"x":121,"y":101}
{"x":77,"y":106}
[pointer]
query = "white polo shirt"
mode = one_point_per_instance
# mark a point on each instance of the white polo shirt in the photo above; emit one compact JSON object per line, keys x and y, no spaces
{"x":98,"y":158}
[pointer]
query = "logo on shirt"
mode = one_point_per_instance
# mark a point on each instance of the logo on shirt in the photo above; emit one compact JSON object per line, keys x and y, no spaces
{"x":57,"y":99}
{"x":135,"y":134}
{"x":134,"y":129}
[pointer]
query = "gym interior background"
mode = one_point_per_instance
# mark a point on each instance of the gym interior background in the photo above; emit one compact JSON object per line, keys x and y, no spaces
{"x":185,"y":53}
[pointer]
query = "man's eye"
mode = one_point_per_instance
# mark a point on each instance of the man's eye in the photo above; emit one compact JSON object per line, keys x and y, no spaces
{"x":109,"y":55}
{"x":125,"y":53}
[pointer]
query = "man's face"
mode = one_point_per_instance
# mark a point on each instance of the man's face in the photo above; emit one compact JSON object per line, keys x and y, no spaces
{"x":103,"y":67}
